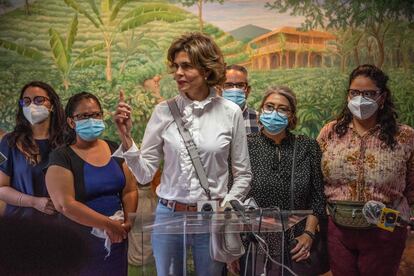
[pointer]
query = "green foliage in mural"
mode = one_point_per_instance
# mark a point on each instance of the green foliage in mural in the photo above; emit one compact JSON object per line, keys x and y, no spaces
{"x":110,"y":22}
{"x":21,"y":50}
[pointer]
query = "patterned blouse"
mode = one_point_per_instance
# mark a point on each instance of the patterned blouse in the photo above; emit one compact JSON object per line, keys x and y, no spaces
{"x":272,"y":168}
{"x":363,"y":168}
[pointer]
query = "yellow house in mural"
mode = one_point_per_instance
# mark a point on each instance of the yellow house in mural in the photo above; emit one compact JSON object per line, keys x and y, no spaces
{"x":288,"y":47}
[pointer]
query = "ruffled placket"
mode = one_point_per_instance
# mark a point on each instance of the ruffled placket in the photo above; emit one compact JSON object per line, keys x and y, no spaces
{"x":191,"y":111}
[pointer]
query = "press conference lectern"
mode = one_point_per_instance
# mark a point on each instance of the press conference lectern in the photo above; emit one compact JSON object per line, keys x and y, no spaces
{"x":188,"y":225}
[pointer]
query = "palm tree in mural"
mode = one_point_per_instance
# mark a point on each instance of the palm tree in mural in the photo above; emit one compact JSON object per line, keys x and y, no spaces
{"x":108,"y":21}
{"x":134,"y":45}
{"x":62,"y":52}
{"x":21,"y":50}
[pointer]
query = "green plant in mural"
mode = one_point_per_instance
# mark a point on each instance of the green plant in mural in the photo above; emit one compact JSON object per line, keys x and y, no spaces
{"x":62,"y":52}
{"x":21,"y":50}
{"x":109,"y":22}
{"x":374,"y":17}
{"x":134,"y":45}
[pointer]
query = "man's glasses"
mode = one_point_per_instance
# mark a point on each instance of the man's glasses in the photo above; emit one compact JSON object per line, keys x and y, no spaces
{"x":240,"y":85}
{"x":37,"y":100}
{"x":368,"y":94}
{"x":269,"y":108}
{"x":84,"y":116}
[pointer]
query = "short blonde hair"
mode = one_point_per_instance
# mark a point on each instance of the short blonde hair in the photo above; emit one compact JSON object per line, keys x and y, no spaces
{"x":290,"y":96}
{"x":204,"y":54}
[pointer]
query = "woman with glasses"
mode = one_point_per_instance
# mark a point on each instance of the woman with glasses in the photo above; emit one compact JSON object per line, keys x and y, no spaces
{"x":24,"y":152}
{"x":217,"y":129}
{"x":271,"y":155}
{"x":367,"y":155}
{"x":92,"y":189}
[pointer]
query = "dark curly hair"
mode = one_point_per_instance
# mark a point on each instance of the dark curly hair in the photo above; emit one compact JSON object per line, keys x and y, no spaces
{"x":386,"y":117}
{"x":73,"y":102}
{"x":22,"y":135}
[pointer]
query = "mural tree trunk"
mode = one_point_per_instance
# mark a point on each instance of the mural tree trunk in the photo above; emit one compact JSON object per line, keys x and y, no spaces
{"x":200,"y":14}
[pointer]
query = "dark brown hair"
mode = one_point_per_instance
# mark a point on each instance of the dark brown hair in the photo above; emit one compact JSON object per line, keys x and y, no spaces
{"x":22,"y":135}
{"x":73,"y":103}
{"x":387,"y":116}
{"x":204,"y":54}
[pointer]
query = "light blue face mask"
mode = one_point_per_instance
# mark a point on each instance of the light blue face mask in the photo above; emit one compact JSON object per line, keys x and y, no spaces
{"x":236,"y":95}
{"x":89,"y":129}
{"x":275,"y":122}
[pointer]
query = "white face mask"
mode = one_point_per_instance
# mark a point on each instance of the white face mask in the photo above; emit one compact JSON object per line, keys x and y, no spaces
{"x":35,"y":113}
{"x":362,"y":108}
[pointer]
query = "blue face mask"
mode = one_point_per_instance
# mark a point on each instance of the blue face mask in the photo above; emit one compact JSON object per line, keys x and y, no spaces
{"x":236,"y":95}
{"x":274,"y":122}
{"x":89,"y":129}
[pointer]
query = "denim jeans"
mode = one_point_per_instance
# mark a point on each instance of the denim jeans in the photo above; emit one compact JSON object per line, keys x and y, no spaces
{"x":169,"y":251}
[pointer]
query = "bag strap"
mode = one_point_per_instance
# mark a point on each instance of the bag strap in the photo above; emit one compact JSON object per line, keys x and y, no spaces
{"x":191,"y":147}
{"x":292,"y":177}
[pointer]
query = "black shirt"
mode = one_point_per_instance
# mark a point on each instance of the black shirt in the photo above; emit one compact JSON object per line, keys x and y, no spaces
{"x":272,"y":168}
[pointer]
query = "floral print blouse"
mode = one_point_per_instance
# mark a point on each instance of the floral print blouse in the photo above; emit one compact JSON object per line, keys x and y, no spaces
{"x":363,"y":168}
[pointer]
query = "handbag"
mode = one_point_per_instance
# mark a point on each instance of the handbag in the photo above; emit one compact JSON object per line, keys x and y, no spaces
{"x":225,"y":246}
{"x":348,"y":214}
{"x":318,"y":261}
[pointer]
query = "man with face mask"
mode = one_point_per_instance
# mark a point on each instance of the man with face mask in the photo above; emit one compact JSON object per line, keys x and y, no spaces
{"x":237,"y":89}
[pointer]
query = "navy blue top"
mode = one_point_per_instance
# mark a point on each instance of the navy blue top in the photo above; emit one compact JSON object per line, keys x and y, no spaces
{"x":24,"y":177}
{"x":103,"y":187}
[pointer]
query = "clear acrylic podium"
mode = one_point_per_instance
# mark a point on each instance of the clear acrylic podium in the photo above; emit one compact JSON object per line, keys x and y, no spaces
{"x":186,"y":224}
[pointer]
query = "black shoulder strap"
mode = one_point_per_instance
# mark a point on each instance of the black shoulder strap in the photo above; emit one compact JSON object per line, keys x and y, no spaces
{"x":76,"y":165}
{"x":292,"y":177}
{"x":113,"y":147}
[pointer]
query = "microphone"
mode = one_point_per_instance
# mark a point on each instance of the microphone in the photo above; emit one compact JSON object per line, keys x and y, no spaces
{"x":385,"y":218}
{"x":237,"y":206}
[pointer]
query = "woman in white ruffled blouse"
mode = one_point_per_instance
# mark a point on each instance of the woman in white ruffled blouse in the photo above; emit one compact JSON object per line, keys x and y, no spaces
{"x":217,"y":129}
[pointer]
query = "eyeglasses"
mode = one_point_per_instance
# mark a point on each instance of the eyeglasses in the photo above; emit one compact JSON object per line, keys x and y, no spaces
{"x":84,"y":116}
{"x":240,"y":85}
{"x":185,"y":66}
{"x":37,"y":100}
{"x":368,"y":94}
{"x":269,"y":108}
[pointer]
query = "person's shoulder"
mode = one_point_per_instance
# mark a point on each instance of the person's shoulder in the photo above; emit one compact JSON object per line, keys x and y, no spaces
{"x":253,"y":137}
{"x":405,"y":133}
{"x":306,"y":140}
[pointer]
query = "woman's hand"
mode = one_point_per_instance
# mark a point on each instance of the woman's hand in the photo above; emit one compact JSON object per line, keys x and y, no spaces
{"x":127,"y":226}
{"x":234,"y":267}
{"x":123,"y":122}
{"x":44,"y":205}
{"x":302,"y":249}
{"x":116,"y":231}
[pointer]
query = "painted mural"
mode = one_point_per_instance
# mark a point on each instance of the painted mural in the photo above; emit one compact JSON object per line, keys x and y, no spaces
{"x":102,"y":46}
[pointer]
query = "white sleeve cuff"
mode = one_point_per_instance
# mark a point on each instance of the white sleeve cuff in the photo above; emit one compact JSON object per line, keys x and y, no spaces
{"x":132,"y":151}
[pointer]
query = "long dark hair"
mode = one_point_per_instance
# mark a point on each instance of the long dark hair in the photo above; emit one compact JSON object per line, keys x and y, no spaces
{"x":73,"y":102}
{"x":22,"y":135}
{"x":387,"y":116}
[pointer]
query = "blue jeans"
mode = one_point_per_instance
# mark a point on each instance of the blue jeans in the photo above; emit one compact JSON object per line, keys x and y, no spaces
{"x":169,"y":252}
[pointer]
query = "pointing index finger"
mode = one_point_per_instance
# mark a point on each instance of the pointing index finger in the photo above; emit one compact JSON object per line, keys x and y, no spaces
{"x":121,"y":96}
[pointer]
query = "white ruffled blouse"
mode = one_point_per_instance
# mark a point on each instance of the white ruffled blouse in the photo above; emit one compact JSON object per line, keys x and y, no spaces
{"x":217,"y":128}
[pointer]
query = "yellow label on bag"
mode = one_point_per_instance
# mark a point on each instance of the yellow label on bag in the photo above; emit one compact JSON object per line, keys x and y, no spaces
{"x":388,"y":219}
